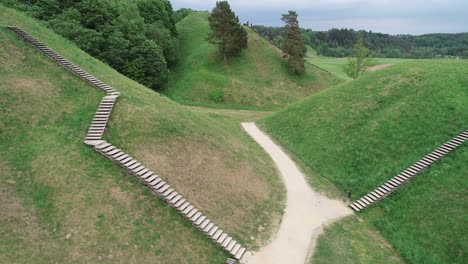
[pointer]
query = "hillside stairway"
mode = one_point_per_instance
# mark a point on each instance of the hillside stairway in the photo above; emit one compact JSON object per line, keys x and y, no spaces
{"x":99,"y":123}
{"x":157,"y":185}
{"x":62,"y":61}
{"x":396,"y":182}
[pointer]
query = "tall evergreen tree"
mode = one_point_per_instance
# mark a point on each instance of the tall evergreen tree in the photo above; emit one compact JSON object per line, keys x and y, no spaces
{"x":293,"y":47}
{"x":227,"y":32}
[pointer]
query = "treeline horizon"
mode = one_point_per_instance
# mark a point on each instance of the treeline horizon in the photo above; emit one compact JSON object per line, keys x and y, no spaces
{"x":339,"y":42}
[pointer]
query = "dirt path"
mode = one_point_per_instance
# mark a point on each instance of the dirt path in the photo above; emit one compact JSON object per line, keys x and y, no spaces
{"x":378,"y":67}
{"x":241,"y":115}
{"x":305,"y":214}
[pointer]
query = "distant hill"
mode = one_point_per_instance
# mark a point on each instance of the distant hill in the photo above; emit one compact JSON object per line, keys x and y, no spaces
{"x":257,"y":79}
{"x":361,"y":133}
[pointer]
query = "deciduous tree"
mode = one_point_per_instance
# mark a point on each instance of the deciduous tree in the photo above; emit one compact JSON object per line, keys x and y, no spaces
{"x":361,"y":60}
{"x":148,"y":66}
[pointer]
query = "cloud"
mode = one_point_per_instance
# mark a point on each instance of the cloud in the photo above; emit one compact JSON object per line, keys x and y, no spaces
{"x":389,"y":16}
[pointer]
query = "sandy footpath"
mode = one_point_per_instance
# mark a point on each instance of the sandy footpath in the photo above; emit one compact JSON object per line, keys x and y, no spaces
{"x":305,"y":214}
{"x":378,"y":67}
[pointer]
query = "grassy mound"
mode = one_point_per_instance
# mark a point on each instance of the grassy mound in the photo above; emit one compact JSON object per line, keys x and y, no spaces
{"x":359,"y":134}
{"x":353,"y":241}
{"x":258,"y":79}
{"x":63,"y":202}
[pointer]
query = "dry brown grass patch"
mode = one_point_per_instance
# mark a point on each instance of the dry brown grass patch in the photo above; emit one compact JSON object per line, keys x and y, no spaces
{"x":237,"y":187}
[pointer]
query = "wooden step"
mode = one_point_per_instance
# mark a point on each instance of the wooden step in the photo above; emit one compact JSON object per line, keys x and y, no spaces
{"x":231,"y":245}
{"x":240,"y":253}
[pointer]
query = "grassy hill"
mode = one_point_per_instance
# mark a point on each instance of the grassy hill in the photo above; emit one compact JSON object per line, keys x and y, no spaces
{"x":62,"y":202}
{"x":359,"y":134}
{"x":258,"y":79}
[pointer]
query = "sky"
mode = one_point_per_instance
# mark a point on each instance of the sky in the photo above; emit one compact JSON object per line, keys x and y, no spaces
{"x":387,"y":16}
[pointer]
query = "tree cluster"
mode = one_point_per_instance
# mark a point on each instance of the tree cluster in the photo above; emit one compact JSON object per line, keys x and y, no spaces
{"x":181,"y":14}
{"x":340,"y":43}
{"x":137,"y":38}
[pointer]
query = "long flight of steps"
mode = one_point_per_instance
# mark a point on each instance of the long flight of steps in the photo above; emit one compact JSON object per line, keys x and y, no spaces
{"x":145,"y":175}
{"x":171,"y":196}
{"x":396,"y":182}
{"x":63,"y":62}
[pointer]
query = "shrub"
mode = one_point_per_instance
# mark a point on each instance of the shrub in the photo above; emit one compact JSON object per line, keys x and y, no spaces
{"x":217,"y":96}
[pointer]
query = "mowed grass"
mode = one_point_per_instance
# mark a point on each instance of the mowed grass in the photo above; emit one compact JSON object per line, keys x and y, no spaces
{"x":359,"y":134}
{"x":257,"y":79}
{"x":353,"y":240}
{"x":427,"y":220}
{"x":62,"y":187}
{"x":423,"y":232}
{"x":336,"y":65}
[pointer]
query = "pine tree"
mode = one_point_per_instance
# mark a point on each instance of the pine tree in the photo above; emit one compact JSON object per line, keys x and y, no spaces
{"x":227,"y":32}
{"x":293,"y":47}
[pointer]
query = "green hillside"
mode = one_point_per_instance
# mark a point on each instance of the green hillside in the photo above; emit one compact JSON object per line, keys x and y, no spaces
{"x":257,"y":79}
{"x":359,"y":134}
{"x":62,"y":202}
{"x":336,"y":65}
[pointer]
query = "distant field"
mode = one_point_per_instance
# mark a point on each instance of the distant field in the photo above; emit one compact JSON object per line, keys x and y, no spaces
{"x":361,"y":133}
{"x":336,"y":65}
{"x":257,"y":79}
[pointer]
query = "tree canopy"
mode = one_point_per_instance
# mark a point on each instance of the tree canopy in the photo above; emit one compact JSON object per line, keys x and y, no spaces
{"x":181,"y":14}
{"x":137,"y":38}
{"x":293,"y":46}
{"x":360,"y":61}
{"x":227,"y":32}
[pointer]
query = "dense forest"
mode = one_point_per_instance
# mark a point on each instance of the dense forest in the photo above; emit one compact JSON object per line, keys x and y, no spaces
{"x":339,"y":43}
{"x":136,"y":37}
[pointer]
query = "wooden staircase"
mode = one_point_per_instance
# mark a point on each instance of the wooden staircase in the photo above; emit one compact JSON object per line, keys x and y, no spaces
{"x":63,"y":62}
{"x":99,"y":123}
{"x":166,"y":192}
{"x":157,"y":185}
{"x":396,"y":182}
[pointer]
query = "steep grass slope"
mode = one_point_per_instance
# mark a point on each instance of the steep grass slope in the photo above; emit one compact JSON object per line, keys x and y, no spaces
{"x":359,"y":134}
{"x":65,"y":203}
{"x":257,"y":79}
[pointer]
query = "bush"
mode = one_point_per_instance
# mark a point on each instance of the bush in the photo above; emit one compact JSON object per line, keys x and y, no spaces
{"x":148,"y":66}
{"x":217,"y":96}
